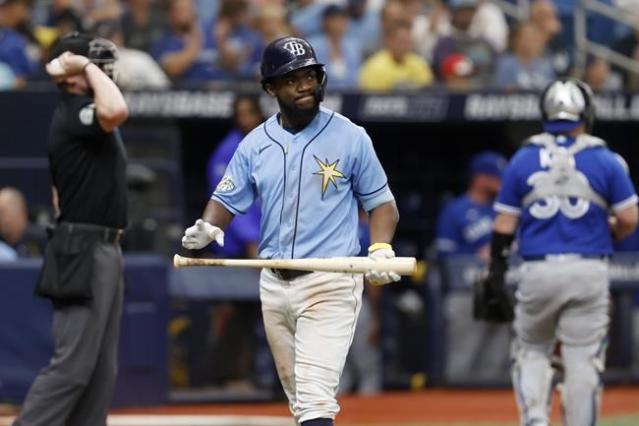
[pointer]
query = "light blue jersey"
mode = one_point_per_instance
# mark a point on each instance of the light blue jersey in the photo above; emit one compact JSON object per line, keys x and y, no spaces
{"x":557,"y":224}
{"x":308,"y":183}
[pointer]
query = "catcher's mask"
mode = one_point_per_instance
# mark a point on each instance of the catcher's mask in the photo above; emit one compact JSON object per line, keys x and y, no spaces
{"x":565,"y":104}
{"x":289,"y":54}
{"x":100,"y":51}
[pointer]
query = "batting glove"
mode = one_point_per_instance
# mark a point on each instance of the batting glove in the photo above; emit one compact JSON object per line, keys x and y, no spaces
{"x":67,"y":64}
{"x":201,"y":234}
{"x":376,"y":252}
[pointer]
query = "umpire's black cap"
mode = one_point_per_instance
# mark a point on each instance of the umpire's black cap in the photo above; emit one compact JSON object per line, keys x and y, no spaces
{"x":100,"y":51}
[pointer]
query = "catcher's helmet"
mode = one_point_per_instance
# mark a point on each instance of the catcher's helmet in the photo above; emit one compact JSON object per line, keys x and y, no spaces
{"x":288,"y":54}
{"x":100,"y":51}
{"x":565,"y":104}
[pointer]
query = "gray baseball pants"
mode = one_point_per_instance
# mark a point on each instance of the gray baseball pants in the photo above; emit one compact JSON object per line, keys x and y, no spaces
{"x":75,"y":389}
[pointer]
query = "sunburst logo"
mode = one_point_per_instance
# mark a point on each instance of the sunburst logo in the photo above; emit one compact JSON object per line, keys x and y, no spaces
{"x":329,"y":173}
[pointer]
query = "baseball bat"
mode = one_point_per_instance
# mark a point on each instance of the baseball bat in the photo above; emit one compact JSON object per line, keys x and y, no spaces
{"x":361,"y":265}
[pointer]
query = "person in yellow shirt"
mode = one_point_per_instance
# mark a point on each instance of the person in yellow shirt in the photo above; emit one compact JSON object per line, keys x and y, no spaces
{"x":396,"y":66}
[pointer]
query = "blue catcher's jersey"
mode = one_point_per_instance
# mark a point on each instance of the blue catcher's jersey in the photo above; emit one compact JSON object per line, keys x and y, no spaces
{"x":463,"y":227}
{"x":558,"y":224}
{"x":308,"y":183}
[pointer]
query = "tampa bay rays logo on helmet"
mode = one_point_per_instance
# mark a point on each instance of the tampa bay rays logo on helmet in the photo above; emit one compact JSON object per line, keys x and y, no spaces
{"x":288,"y":54}
{"x":295,"y":47}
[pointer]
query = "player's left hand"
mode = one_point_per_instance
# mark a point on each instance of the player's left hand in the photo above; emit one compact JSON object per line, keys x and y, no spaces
{"x":67,"y":64}
{"x":379,"y":251}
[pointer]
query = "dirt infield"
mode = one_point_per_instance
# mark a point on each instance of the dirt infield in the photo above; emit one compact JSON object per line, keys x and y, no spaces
{"x":443,"y":407}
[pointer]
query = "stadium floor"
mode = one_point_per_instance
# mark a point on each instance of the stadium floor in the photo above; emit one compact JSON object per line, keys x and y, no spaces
{"x":476,"y":407}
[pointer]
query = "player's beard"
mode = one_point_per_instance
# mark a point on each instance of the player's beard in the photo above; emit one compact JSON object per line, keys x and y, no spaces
{"x":297,"y":114}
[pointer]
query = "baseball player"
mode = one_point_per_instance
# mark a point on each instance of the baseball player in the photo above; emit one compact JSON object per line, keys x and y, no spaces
{"x":567,"y":196}
{"x":310,"y":167}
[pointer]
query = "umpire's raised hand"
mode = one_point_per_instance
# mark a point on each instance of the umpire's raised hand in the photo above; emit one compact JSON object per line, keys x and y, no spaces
{"x":201,"y":234}
{"x":67,"y":64}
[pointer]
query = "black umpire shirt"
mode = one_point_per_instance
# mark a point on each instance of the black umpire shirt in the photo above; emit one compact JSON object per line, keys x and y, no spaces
{"x":87,"y":165}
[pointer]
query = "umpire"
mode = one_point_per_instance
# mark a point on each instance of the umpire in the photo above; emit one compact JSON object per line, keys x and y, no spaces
{"x":82,"y":272}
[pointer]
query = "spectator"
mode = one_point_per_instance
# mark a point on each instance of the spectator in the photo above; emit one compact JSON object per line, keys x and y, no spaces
{"x":186,"y":51}
{"x":490,"y":24}
{"x":134,"y":69}
{"x":543,"y":15}
{"x":477,"y":54}
{"x":239,"y":48}
{"x":600,"y":77}
{"x":24,"y":238}
{"x":428,"y":27}
{"x":13,"y":45}
{"x":364,"y":25}
{"x":143,"y":23}
{"x":525,"y":66}
{"x":396,"y":66}
{"x":629,"y":46}
{"x":341,"y":55}
{"x":271,"y":23}
{"x":306,"y":17}
{"x":95,"y":11}
{"x":464,"y":227}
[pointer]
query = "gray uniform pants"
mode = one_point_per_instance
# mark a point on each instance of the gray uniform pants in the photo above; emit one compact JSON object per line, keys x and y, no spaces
{"x":75,"y":389}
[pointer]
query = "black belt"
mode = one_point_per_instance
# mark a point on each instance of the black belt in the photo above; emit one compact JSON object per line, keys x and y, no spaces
{"x":288,"y":274}
{"x":555,"y":256}
{"x":101,"y":233}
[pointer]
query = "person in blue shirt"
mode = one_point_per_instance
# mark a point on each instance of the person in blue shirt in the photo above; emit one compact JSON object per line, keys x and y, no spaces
{"x":464,"y":226}
{"x":566,"y":196}
{"x":13,"y":46}
{"x":310,"y":168}
{"x":341,"y":54}
{"x":192,"y":54}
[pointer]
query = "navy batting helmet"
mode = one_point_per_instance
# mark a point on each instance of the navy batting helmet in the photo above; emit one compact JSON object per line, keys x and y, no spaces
{"x":565,"y":104}
{"x":98,"y":50}
{"x":288,"y":54}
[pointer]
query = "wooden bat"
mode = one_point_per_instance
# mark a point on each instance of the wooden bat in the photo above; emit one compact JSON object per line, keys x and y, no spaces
{"x":361,"y":265}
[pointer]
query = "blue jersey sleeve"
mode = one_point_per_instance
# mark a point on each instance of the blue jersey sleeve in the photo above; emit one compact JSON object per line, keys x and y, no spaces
{"x":369,"y":179}
{"x":512,"y":186}
{"x":620,"y":187}
{"x":236,"y":190}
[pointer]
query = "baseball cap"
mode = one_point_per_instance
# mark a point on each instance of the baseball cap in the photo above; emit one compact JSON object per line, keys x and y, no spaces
{"x":487,"y":162}
{"x":457,"y":65}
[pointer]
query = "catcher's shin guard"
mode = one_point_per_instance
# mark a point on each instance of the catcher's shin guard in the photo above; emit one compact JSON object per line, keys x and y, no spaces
{"x":532,"y":382}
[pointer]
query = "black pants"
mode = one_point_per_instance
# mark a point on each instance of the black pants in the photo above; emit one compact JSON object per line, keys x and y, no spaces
{"x":75,"y":389}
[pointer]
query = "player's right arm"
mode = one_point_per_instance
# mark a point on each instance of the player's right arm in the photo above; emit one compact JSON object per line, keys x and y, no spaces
{"x":234,"y":194}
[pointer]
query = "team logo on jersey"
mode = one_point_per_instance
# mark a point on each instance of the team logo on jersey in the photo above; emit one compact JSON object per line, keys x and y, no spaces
{"x":329,"y":173}
{"x":225,"y":185}
{"x":86,"y":114}
{"x":295,"y":47}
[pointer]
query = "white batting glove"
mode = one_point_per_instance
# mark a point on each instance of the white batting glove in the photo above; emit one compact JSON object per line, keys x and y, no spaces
{"x":201,"y":234}
{"x":379,"y":251}
{"x":67,"y":64}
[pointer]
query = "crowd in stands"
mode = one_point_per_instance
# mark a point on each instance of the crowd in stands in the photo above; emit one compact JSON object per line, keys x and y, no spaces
{"x":376,"y":45}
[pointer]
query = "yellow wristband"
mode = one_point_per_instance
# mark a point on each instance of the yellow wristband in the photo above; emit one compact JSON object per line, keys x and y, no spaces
{"x":379,"y":246}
